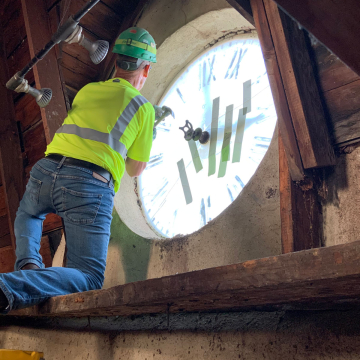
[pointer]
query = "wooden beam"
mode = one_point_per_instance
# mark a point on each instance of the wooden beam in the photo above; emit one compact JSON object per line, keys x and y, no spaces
{"x":335,"y":23}
{"x":244,"y":8}
{"x":46,"y":72}
{"x":326,"y":274}
{"x":302,"y":92}
{"x":7,"y":259}
{"x":300,"y":210}
{"x":278,"y":92}
{"x":11,"y":165}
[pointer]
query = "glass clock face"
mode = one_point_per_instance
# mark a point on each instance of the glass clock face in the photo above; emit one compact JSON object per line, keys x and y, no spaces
{"x":226,"y":92}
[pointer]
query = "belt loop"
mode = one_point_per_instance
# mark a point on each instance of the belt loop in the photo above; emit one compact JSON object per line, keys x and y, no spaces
{"x":61,"y":162}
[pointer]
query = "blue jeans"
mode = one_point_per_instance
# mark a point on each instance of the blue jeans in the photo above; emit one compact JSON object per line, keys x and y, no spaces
{"x":85,"y":204}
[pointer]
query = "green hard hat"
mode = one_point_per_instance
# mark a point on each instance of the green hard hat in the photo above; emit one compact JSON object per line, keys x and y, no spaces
{"x":137,"y":43}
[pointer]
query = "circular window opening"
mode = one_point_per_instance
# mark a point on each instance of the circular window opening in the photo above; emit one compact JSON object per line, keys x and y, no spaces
{"x":226,"y":92}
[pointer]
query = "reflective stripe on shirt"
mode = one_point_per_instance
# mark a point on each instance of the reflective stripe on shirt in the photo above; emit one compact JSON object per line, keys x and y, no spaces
{"x":112,"y":139}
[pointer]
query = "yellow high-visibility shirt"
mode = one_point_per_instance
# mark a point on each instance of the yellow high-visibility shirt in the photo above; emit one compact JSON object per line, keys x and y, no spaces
{"x":108,"y":121}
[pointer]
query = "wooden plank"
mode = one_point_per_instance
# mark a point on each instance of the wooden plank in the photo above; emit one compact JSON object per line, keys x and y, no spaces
{"x":286,"y":203}
{"x":278,"y":92}
{"x":19,"y":59}
{"x":11,"y":164}
{"x":27,"y":112}
{"x":244,"y":8}
{"x":100,"y":20}
{"x":319,"y":17}
{"x":300,"y":210}
{"x":79,"y":68}
{"x":330,"y":274}
{"x":121,"y":7}
{"x":344,"y":110}
{"x":47,"y":70}
{"x":13,"y":27}
{"x":302,"y":92}
{"x":5,"y":241}
{"x":4,"y":226}
{"x":34,"y":143}
{"x":3,"y":211}
{"x":7,"y":259}
{"x":45,"y":251}
{"x":74,"y":80}
{"x":52,"y":222}
{"x":332,"y":72}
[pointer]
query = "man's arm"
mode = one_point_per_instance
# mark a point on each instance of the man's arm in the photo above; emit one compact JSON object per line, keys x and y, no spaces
{"x":134,"y":168}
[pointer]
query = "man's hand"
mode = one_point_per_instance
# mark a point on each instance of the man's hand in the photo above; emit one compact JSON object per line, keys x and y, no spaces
{"x":134,"y":168}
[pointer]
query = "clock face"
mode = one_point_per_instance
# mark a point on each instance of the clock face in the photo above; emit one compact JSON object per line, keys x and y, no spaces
{"x":226,"y":92}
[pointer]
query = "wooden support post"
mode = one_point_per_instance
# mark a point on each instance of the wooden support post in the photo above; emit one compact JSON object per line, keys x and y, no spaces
{"x":277,"y":88}
{"x":47,"y":72}
{"x":302,"y":92}
{"x":335,"y":23}
{"x":11,"y":165}
{"x":300,"y":210}
{"x":244,"y":8}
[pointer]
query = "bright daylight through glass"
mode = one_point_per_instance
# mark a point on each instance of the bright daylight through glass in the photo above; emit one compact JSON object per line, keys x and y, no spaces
{"x":226,"y":92}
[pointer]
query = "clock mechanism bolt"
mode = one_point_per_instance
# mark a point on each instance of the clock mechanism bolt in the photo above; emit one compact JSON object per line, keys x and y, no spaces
{"x":196,"y":135}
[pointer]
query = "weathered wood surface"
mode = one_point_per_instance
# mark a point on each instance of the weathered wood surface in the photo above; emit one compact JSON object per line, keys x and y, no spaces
{"x":11,"y":166}
{"x":330,"y":274}
{"x":302,"y":91}
{"x":12,"y":23}
{"x":286,"y":204}
{"x":34,"y":143}
{"x":52,"y":222}
{"x":27,"y":112}
{"x":244,"y":8}
{"x":300,"y":210}
{"x":343,"y":104}
{"x":7,"y":259}
{"x":319,"y":17}
{"x":47,"y":70}
{"x":332,"y":72}
{"x":278,"y":92}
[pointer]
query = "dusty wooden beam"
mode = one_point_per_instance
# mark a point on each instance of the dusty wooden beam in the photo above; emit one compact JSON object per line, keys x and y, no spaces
{"x":302,"y":92}
{"x":46,"y":72}
{"x":330,"y":274}
{"x":335,"y":23}
{"x":300,"y":210}
{"x":278,"y":92}
{"x":7,"y":259}
{"x":11,"y":164}
{"x":244,"y":8}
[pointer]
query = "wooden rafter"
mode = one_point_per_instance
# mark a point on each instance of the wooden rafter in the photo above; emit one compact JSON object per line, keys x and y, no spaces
{"x":47,"y":70}
{"x":244,"y":8}
{"x":326,"y":274}
{"x":335,"y":23}
{"x":278,"y":92}
{"x":302,"y":92}
{"x":11,"y":165}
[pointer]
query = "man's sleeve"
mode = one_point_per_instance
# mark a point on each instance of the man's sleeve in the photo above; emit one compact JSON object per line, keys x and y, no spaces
{"x":141,"y":147}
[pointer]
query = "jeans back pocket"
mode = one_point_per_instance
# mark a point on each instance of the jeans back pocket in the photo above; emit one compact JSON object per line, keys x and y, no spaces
{"x":80,"y":208}
{"x":33,"y":188}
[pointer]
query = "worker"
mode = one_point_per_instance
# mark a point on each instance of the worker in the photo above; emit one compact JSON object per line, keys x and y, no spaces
{"x":109,"y":122}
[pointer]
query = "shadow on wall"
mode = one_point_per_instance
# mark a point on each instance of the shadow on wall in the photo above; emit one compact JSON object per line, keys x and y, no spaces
{"x":128,"y":255}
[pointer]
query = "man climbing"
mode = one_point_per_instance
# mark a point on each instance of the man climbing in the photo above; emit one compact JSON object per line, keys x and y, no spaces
{"x":79,"y":176}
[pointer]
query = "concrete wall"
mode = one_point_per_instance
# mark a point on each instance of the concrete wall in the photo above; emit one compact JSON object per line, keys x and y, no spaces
{"x":315,"y":335}
{"x":250,"y":227}
{"x":341,"y":205}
